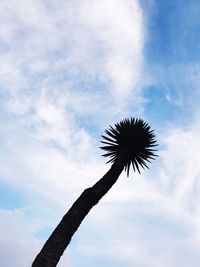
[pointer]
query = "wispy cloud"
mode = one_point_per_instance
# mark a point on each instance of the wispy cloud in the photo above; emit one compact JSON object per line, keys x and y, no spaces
{"x":16,"y":237}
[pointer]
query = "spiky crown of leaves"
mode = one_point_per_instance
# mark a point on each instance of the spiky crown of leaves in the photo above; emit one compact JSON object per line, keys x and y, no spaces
{"x":136,"y":137}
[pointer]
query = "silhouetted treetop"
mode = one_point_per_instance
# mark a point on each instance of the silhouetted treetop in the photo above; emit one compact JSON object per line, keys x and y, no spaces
{"x":133,"y":136}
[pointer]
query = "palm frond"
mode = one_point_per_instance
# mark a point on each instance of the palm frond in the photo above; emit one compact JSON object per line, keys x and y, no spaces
{"x":136,"y":136}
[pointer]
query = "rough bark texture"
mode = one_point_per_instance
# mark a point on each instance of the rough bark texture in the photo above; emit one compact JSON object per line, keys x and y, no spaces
{"x":60,"y":238}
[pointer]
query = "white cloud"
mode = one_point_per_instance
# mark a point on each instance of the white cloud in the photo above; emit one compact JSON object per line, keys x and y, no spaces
{"x":180,"y":173}
{"x":17,"y":245}
{"x":102,"y":40}
{"x":134,"y":236}
{"x":118,"y":27}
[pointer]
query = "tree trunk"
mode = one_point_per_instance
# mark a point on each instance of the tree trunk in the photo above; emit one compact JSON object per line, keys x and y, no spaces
{"x":61,"y":236}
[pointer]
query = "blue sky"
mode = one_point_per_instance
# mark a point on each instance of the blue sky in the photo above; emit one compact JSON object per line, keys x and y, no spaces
{"x":69,"y":69}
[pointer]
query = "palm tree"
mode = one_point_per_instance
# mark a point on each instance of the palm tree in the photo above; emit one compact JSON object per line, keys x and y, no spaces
{"x":131,"y":141}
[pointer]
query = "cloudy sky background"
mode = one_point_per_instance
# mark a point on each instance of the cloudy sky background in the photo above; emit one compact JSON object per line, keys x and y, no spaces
{"x":68,"y":69}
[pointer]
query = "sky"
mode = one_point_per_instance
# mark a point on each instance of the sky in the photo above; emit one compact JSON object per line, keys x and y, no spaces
{"x":68,"y":70}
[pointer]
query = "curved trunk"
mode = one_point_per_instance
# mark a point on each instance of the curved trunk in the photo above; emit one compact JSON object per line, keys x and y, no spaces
{"x":61,"y":236}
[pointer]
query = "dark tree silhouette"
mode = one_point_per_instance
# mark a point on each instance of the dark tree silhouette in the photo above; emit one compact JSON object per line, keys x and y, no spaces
{"x":131,"y":141}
